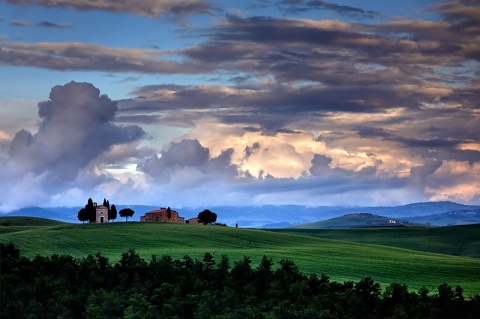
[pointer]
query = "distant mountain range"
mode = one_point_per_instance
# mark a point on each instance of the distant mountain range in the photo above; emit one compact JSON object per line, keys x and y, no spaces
{"x":456,"y":217}
{"x":282,"y":216}
{"x":357,"y":220}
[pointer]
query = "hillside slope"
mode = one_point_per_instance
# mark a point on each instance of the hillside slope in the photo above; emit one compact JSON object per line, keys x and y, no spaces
{"x":22,"y":223}
{"x":340,"y":260}
{"x":453,"y":240}
{"x":356,"y":220}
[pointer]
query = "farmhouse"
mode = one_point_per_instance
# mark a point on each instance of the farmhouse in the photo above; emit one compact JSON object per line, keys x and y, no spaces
{"x":161,"y":216}
{"x":101,"y":213}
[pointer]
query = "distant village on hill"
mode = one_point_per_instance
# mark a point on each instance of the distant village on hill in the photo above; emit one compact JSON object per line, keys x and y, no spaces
{"x":93,"y":213}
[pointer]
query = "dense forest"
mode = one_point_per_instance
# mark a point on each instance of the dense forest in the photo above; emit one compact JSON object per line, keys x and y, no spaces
{"x":93,"y":287}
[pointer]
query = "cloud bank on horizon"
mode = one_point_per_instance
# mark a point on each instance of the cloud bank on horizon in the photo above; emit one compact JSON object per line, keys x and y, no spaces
{"x":199,"y":103}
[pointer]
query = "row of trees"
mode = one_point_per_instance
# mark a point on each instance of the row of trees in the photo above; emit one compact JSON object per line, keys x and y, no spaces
{"x":91,"y":287}
{"x":88,"y":213}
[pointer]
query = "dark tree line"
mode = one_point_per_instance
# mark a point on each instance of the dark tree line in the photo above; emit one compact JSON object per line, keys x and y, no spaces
{"x":92,"y":287}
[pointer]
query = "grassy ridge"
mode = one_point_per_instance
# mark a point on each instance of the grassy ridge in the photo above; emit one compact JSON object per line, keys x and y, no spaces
{"x":454,"y":240}
{"x":27,"y":221}
{"x":340,"y":260}
{"x":20,"y":223}
{"x":353,"y":221}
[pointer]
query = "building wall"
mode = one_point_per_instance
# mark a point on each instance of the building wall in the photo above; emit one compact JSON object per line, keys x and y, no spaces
{"x":160,"y":216}
{"x":101,"y":215}
{"x":193,"y":220}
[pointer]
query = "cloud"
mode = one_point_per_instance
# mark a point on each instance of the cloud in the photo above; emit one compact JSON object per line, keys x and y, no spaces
{"x":314,"y":111}
{"x":90,"y":57}
{"x":18,"y":23}
{"x":47,"y":24}
{"x":296,"y":101}
{"x":320,"y":165}
{"x":75,"y":131}
{"x":299,"y":6}
{"x":151,"y":8}
{"x":466,"y":11}
{"x":187,"y":170}
{"x":249,"y":150}
{"x":454,"y":180}
{"x":190,"y":155}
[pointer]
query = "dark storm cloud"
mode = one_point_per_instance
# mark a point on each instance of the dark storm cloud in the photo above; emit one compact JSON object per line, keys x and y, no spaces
{"x":152,"y":8}
{"x":267,"y":29}
{"x":399,"y":43}
{"x":76,"y":128}
{"x":321,"y":168}
{"x":419,"y":173}
{"x":272,"y":99}
{"x":327,"y":52}
{"x":272,"y":108}
{"x":431,"y":144}
{"x":320,"y":165}
{"x":299,"y":6}
{"x":466,"y":11}
{"x":188,"y":154}
{"x":333,"y":54}
{"x":249,"y":150}
{"x":90,"y":57}
{"x":48,"y":24}
{"x":371,"y":132}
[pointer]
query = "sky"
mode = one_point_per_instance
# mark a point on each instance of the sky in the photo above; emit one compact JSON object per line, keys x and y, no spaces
{"x":201,"y":103}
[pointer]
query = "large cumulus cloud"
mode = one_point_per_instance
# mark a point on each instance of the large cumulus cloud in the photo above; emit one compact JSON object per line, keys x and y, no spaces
{"x":76,"y":128}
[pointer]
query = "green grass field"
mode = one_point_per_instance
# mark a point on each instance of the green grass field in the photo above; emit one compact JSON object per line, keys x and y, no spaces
{"x":454,"y":240}
{"x":20,"y":223}
{"x":338,"y":259}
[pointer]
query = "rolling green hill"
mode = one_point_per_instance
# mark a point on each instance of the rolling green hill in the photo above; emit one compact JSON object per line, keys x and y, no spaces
{"x":454,"y":240}
{"x":338,"y":259}
{"x":356,"y":220}
{"x":21,"y":223}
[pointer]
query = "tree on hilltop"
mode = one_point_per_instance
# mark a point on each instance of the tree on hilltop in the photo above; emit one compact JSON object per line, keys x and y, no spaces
{"x":106,"y":203}
{"x":82,"y":215}
{"x":91,"y":212}
{"x":112,"y":212}
{"x":126,"y":212}
{"x":207,"y":217}
{"x":169,"y":213}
